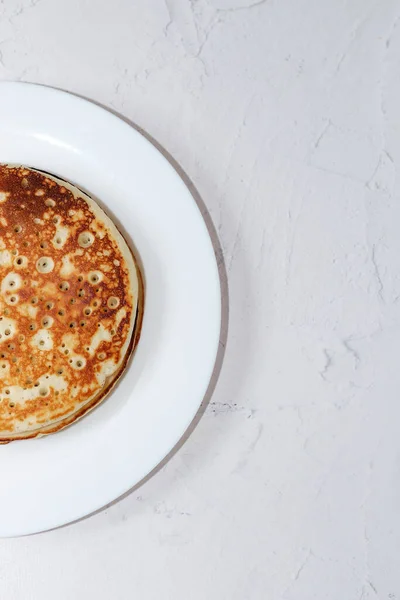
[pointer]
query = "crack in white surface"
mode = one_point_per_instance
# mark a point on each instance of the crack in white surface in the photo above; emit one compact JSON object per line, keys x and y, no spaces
{"x":301,"y":568}
{"x":322,"y":134}
{"x":246,"y":455}
{"x":381,"y":87}
{"x":176,"y":19}
{"x":237,"y":237}
{"x":234,"y":9}
{"x":363,"y":507}
{"x":392,"y":31}
{"x":337,"y":174}
{"x":352,"y":39}
{"x":203,"y":33}
{"x":369,"y":182}
{"x":373,"y":587}
{"x":2,"y":60}
{"x":205,"y":39}
{"x":377,"y":272}
{"x":169,"y":8}
{"x":328,"y":364}
{"x":346,"y":343}
{"x":296,"y":575}
{"x":383,"y":175}
{"x":22,"y":8}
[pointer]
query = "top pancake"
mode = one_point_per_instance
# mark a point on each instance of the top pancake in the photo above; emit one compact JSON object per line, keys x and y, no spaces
{"x":69,"y":291}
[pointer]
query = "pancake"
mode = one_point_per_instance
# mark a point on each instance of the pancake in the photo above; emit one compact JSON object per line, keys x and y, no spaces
{"x":70,"y":303}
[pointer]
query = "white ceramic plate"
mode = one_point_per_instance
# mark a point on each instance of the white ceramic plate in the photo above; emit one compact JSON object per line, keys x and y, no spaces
{"x":48,"y":482}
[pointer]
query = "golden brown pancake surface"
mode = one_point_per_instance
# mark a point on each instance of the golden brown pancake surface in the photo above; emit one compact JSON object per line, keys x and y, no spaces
{"x":69,"y":289}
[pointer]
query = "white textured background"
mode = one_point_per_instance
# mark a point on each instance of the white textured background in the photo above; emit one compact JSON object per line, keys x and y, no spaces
{"x":286,"y":116}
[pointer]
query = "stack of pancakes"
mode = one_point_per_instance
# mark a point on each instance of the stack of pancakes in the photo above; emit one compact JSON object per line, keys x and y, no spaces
{"x":70,"y":303}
